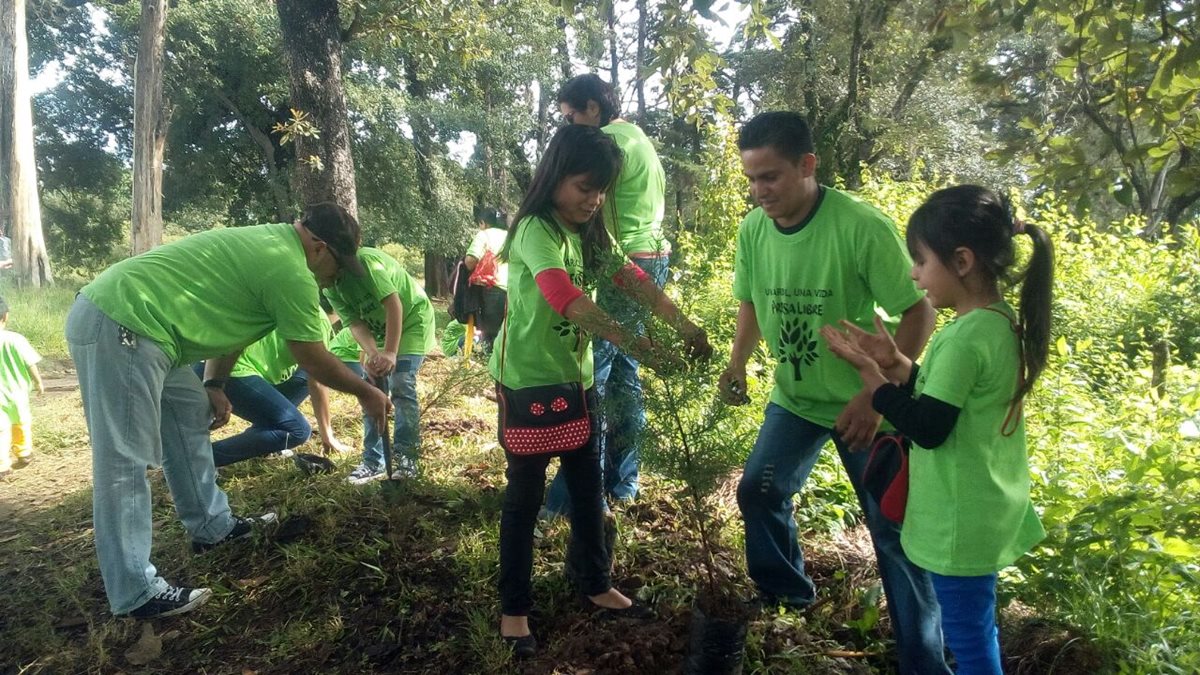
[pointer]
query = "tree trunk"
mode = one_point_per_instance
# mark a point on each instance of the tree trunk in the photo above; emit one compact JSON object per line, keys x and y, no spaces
{"x":150,"y":121}
{"x":18,"y":172}
{"x":324,"y":170}
{"x":564,"y":51}
{"x":639,"y":77}
{"x":436,"y":277}
{"x":614,"y":62}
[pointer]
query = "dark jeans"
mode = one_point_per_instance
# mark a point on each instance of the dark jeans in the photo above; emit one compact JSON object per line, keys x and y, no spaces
{"x":522,"y":498}
{"x":276,"y":422}
{"x":491,"y":314}
{"x":784,"y":454}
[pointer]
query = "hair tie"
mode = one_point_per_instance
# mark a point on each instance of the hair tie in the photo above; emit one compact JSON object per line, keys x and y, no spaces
{"x":1018,"y":226}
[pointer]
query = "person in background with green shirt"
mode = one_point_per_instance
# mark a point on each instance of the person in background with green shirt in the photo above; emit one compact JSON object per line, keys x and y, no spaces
{"x":969,"y":513}
{"x":559,"y":245}
{"x":134,"y":332}
{"x":808,"y":256}
{"x":266,"y":389}
{"x":490,"y":239}
{"x":634,"y":216}
{"x":391,"y":319}
{"x":19,"y":376}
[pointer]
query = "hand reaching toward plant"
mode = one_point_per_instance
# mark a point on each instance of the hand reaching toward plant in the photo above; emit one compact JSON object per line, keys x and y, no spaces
{"x":732,"y":386}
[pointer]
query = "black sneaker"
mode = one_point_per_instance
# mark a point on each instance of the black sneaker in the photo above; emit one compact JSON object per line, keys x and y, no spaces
{"x":174,"y":600}
{"x":242,"y":527}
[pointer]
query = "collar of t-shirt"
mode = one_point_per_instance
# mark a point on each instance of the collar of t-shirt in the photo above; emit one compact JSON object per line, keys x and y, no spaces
{"x":807,"y":219}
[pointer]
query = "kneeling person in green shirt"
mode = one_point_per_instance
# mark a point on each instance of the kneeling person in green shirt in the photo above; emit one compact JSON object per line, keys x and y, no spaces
{"x":133,"y":333}
{"x":266,"y":388}
{"x":392,"y":321}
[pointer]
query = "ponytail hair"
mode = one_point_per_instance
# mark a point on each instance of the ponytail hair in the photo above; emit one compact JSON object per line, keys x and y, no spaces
{"x":1037,"y":296}
{"x":981,"y":220}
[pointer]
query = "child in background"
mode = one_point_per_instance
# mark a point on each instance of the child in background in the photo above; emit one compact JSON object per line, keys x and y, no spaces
{"x":969,"y":513}
{"x":391,"y":319}
{"x":18,"y":375}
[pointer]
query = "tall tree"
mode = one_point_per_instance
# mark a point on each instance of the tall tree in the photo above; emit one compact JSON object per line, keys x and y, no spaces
{"x":18,"y":171}
{"x":312,"y":38}
{"x":150,"y":121}
{"x":1106,"y":99}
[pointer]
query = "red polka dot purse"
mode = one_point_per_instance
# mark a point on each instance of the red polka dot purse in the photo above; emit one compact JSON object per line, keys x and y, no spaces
{"x":549,"y":418}
{"x":543,"y":419}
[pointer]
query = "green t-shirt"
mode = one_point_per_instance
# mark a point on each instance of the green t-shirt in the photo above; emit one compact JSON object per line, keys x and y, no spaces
{"x":214,"y":292}
{"x":345,"y":347}
{"x":361,"y":299}
{"x":270,"y":358}
{"x":846,"y":260}
{"x":638,"y":196}
{"x":538,"y":344}
{"x":969,"y":511}
{"x":454,"y":332}
{"x":17,"y":356}
{"x":491,"y":239}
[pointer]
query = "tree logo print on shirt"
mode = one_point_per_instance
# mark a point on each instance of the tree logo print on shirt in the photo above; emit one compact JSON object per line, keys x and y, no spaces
{"x":566,"y":329}
{"x":797,"y":345}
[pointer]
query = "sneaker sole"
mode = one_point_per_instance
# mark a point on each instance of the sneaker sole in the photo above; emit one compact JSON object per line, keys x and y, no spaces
{"x":196,"y":602}
{"x":368,"y":479}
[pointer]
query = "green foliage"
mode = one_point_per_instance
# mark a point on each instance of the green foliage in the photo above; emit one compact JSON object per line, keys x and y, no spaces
{"x":1116,"y":115}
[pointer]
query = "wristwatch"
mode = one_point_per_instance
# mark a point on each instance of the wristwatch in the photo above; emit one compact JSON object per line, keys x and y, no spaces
{"x":215,"y":383}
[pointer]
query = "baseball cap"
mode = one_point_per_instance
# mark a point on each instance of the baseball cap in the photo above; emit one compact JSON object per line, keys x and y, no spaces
{"x":339,"y":230}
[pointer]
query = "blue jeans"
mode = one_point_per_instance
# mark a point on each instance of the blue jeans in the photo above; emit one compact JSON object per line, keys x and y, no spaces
{"x":784,"y":455}
{"x":969,"y":622}
{"x":273,"y":412}
{"x":623,"y":416}
{"x":406,"y":427}
{"x":141,"y":412}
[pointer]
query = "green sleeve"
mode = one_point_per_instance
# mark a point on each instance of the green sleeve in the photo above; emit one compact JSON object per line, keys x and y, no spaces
{"x":540,"y":247}
{"x":951,"y":378}
{"x":28,"y":354}
{"x":295,"y":308}
{"x":885,"y":266}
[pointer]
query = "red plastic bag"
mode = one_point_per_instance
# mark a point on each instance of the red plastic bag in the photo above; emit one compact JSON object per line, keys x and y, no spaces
{"x":484,"y":273}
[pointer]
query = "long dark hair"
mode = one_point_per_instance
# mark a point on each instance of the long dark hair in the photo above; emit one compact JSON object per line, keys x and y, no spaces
{"x":578,"y":90}
{"x":976,"y":218}
{"x":575,"y":150}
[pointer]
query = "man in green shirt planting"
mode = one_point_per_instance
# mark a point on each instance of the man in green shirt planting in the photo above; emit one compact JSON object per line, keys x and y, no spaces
{"x":134,"y":333}
{"x":810,"y":256}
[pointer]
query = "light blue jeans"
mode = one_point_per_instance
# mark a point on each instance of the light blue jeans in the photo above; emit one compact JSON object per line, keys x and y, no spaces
{"x":141,"y":412}
{"x":784,"y":455}
{"x":406,"y":427}
{"x":969,"y":622}
{"x":623,"y":415}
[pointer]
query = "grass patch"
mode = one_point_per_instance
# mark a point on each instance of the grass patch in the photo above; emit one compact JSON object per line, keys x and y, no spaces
{"x":40,"y":314}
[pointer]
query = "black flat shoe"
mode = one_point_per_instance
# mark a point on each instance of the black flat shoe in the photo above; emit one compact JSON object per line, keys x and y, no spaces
{"x":523,"y":647}
{"x":638,"y":611}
